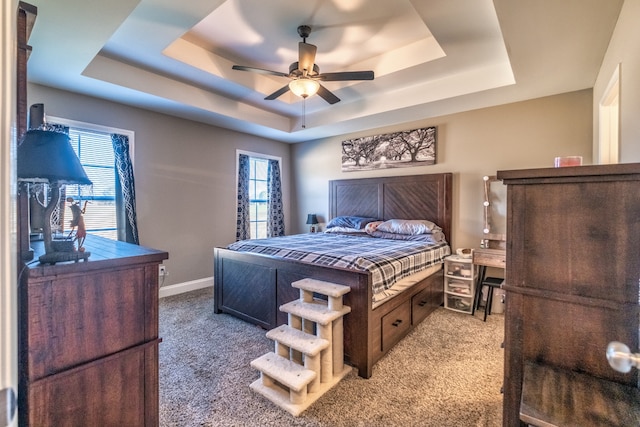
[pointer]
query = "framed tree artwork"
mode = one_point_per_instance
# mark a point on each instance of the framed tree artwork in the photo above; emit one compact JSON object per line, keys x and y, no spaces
{"x":415,"y":147}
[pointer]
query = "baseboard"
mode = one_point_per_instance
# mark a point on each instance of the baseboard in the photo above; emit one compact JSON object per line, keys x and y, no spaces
{"x":180,"y":288}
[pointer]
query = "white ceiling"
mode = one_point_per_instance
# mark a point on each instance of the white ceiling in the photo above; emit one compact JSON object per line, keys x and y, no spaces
{"x":430,"y":57}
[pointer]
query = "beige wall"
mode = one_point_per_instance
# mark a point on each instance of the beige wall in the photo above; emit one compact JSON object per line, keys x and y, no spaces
{"x":185,"y":177}
{"x":624,"y":49}
{"x":472,"y":144}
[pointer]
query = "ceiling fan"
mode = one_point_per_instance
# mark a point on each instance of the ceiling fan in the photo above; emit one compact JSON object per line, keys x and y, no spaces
{"x":305,"y":73}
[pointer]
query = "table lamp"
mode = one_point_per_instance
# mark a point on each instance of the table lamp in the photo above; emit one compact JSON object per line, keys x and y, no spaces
{"x":46,"y":156}
{"x":312,"y":220}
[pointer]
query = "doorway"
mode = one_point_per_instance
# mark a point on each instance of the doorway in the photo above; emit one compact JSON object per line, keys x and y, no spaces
{"x":609,"y":121}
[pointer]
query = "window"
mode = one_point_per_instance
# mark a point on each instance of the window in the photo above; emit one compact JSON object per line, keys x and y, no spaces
{"x":258,"y":197}
{"x":94,"y":148}
{"x":96,"y":155}
{"x":254,"y":210}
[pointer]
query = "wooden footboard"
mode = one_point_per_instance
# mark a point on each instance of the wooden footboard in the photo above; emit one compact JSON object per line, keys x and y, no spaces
{"x":252,"y":287}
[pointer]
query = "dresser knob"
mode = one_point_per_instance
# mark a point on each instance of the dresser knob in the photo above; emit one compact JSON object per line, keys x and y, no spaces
{"x":620,"y":357}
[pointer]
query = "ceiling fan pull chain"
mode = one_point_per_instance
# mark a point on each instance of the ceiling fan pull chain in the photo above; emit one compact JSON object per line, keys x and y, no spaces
{"x":304,"y":113}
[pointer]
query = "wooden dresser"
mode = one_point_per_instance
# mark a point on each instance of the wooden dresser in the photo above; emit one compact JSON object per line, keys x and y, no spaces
{"x":572,"y":283}
{"x":88,"y":338}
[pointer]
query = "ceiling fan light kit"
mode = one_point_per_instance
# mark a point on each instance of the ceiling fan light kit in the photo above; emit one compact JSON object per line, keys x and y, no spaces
{"x":305,"y":73}
{"x":304,"y":87}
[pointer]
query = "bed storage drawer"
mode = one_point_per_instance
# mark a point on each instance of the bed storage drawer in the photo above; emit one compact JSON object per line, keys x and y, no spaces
{"x":395,"y":325}
{"x":425,"y":302}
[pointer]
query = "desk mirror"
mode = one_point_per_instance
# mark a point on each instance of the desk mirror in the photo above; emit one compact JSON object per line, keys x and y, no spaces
{"x":495,"y":213}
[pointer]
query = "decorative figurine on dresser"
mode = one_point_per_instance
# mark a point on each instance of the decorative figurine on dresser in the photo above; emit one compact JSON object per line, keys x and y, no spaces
{"x":572,"y":284}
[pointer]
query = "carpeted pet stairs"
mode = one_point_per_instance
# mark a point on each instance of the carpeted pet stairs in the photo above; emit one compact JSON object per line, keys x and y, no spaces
{"x":309,"y":352}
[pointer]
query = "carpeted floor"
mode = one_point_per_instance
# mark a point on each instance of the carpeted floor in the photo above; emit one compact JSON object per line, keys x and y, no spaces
{"x":447,"y":372}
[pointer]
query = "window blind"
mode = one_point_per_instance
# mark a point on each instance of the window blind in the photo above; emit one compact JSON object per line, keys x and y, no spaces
{"x":95,"y":151}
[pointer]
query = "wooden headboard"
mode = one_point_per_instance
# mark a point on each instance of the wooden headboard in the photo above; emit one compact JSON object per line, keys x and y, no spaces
{"x":397,"y":197}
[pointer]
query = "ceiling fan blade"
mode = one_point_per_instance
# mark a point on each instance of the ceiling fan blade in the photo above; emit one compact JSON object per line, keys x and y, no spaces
{"x":277,"y":93}
{"x":325,"y":94}
{"x":260,"y":71}
{"x":346,"y":75}
{"x":306,"y":56}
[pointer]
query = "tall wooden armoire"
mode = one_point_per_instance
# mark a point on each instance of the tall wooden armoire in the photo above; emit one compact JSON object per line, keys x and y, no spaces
{"x":572,"y":285}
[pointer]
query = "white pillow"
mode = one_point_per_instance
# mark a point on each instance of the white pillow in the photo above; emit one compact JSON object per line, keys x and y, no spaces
{"x":408,"y":226}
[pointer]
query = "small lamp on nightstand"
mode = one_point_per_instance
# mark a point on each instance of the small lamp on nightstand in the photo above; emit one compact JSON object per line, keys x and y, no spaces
{"x":47,"y":157}
{"x":312,"y":220}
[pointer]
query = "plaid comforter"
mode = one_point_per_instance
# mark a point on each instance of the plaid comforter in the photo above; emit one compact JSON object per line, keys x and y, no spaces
{"x":387,"y":260}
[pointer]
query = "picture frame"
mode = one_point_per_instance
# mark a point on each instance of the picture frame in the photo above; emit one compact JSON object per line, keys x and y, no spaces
{"x":416,"y":147}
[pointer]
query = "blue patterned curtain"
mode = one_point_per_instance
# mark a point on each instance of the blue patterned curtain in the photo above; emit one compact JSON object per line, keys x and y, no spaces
{"x":244,"y":173}
{"x":275,"y":215}
{"x":126,"y":217}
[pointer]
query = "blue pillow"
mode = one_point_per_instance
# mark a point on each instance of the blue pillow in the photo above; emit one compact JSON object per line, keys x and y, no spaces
{"x":357,"y":222}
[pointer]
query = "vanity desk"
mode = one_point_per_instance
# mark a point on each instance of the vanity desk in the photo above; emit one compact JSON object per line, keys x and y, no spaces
{"x":485,"y":257}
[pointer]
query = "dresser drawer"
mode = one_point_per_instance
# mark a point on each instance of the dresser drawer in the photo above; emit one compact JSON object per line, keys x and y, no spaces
{"x":78,"y":318}
{"x":113,"y":391}
{"x":395,"y":325}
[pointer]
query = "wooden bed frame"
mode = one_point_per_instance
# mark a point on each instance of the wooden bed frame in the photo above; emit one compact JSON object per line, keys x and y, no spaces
{"x":252,"y":286}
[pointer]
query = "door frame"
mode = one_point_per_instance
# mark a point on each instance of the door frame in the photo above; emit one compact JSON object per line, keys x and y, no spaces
{"x":8,"y":224}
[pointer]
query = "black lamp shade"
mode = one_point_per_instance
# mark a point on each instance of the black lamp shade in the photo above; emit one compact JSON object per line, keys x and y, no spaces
{"x":312,"y":219}
{"x":47,"y":156}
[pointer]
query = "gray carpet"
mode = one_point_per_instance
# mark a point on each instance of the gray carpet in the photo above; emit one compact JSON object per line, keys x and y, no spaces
{"x":447,"y":372}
